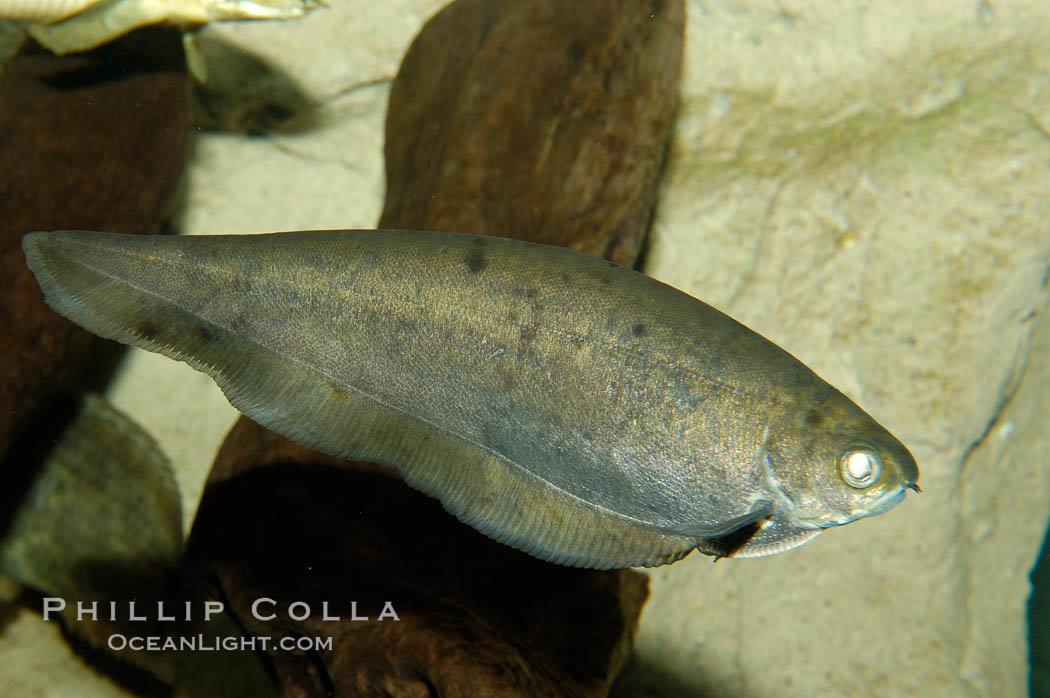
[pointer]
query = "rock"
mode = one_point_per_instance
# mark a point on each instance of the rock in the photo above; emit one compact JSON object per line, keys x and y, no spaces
{"x":96,"y":141}
{"x":98,"y":526}
{"x":99,"y":522}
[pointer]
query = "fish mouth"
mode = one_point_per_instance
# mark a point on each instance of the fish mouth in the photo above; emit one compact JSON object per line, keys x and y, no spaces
{"x":885,"y":502}
{"x":879,"y":506}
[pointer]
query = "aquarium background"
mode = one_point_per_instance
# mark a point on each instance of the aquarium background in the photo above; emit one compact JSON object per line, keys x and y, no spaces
{"x":868,"y":189}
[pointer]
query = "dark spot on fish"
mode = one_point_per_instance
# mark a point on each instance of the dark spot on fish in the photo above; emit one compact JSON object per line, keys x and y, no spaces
{"x":639,"y":330}
{"x":531,"y":293}
{"x":203,"y":333}
{"x":525,"y":337}
{"x":337,"y":392}
{"x":565,"y":277}
{"x":475,"y":257}
{"x":404,"y":332}
{"x":147,"y":329}
{"x":814,"y":419}
{"x":600,"y":275}
{"x":369,"y":260}
{"x":507,"y":379}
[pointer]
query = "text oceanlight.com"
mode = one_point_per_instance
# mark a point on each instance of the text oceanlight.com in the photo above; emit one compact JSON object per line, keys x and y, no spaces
{"x":202,"y":643}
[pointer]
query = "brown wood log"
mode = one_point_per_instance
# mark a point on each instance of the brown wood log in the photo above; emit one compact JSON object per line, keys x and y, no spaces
{"x":97,"y":141}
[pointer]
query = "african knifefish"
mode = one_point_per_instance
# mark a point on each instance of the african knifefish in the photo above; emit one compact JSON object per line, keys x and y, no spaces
{"x":574,"y":409}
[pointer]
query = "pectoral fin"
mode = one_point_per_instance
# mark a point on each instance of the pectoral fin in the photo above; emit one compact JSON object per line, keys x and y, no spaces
{"x":760,"y":511}
{"x":758,"y":539}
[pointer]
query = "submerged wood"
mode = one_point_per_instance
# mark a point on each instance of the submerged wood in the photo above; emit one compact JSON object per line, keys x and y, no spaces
{"x":96,"y":140}
{"x":476,"y":618}
{"x":99,"y":521}
{"x":541,"y":120}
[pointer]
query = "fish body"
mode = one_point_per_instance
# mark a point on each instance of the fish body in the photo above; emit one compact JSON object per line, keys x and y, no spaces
{"x":569,"y":407}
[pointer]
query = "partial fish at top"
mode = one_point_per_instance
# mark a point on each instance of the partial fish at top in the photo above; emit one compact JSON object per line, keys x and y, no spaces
{"x":64,"y":26}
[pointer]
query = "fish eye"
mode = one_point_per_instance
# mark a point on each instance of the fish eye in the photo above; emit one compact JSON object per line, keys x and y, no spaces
{"x":860,"y":467}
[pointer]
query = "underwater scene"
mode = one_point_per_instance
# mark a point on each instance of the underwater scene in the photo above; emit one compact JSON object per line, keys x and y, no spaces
{"x":660,"y":349}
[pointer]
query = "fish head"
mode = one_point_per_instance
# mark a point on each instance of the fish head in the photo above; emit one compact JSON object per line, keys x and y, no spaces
{"x":833,"y":464}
